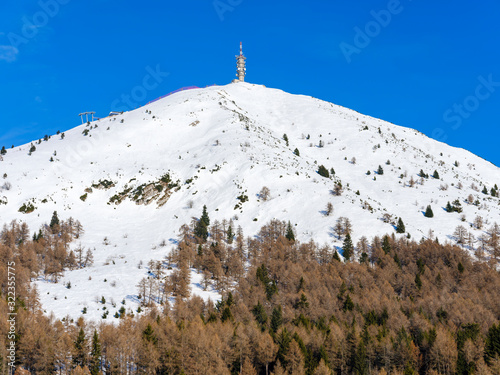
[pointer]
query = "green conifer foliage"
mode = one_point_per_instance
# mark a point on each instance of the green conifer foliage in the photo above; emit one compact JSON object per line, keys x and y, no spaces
{"x":55,"y":220}
{"x":322,"y":171}
{"x":79,"y":358}
{"x":386,"y":246}
{"x":290,"y":235}
{"x":400,"y":228}
{"x":95,"y":355}
{"x":347,"y":248}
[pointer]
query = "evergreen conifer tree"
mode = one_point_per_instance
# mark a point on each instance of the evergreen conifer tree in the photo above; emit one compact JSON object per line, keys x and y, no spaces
{"x":201,"y":228}
{"x":230,"y":234}
{"x":149,"y":335}
{"x":380,"y":170}
{"x":435,"y":175}
{"x":386,"y":246}
{"x":204,"y":216}
{"x":95,"y":355}
{"x":296,"y":152}
{"x":3,"y":151}
{"x":55,"y":220}
{"x":400,"y":228}
{"x":289,"y":233}
{"x":448,"y":207}
{"x":260,"y":314}
{"x":348,"y":304}
{"x":492,"y":345}
{"x":347,"y":248}
{"x":428,"y":212}
{"x":79,"y":359}
{"x":336,"y":256}
{"x":276,"y":318}
{"x":322,"y":171}
{"x":396,"y":260}
{"x":418,"y":281}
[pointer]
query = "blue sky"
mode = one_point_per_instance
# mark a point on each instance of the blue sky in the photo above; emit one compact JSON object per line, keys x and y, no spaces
{"x":432,"y":67}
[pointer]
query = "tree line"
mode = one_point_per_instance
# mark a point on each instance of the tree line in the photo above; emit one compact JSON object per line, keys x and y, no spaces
{"x":394,"y":307}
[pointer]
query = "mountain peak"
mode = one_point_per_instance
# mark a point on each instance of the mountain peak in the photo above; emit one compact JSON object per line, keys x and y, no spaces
{"x":136,"y":177}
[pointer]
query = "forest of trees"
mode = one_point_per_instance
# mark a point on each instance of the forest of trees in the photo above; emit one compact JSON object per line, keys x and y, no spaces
{"x":395,"y":307}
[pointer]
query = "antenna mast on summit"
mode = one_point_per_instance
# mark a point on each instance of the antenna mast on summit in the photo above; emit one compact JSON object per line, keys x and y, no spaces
{"x":240,"y":65}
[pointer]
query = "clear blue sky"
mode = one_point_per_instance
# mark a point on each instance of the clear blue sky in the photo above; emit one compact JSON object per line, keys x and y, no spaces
{"x":431,"y":66}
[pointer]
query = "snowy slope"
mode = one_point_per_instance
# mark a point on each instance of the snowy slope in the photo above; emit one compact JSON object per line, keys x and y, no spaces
{"x":216,"y":144}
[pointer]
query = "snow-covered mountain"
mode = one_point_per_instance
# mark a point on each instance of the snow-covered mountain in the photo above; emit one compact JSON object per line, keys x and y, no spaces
{"x":135,"y":178}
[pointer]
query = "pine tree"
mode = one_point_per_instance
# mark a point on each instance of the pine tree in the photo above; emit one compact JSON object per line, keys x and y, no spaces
{"x":485,"y":191}
{"x":492,"y":346}
{"x":149,"y":335}
{"x":460,"y":267}
{"x":418,"y":281}
{"x":95,"y":355}
{"x":201,"y":228}
{"x":386,"y":246}
{"x":3,"y":151}
{"x":55,"y":220}
{"x":448,"y":207}
{"x":347,"y":248}
{"x":226,"y":315}
{"x":296,"y":152}
{"x":260,"y":315}
{"x":81,"y":350}
{"x":336,"y":256}
{"x":230,"y":234}
{"x":400,"y":228}
{"x":276,"y":318}
{"x":290,"y":236}
{"x":396,"y":260}
{"x":204,"y":216}
{"x":435,"y":175}
{"x":322,"y":171}
{"x":348,"y":304}
{"x":428,"y":212}
{"x":380,"y":170}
